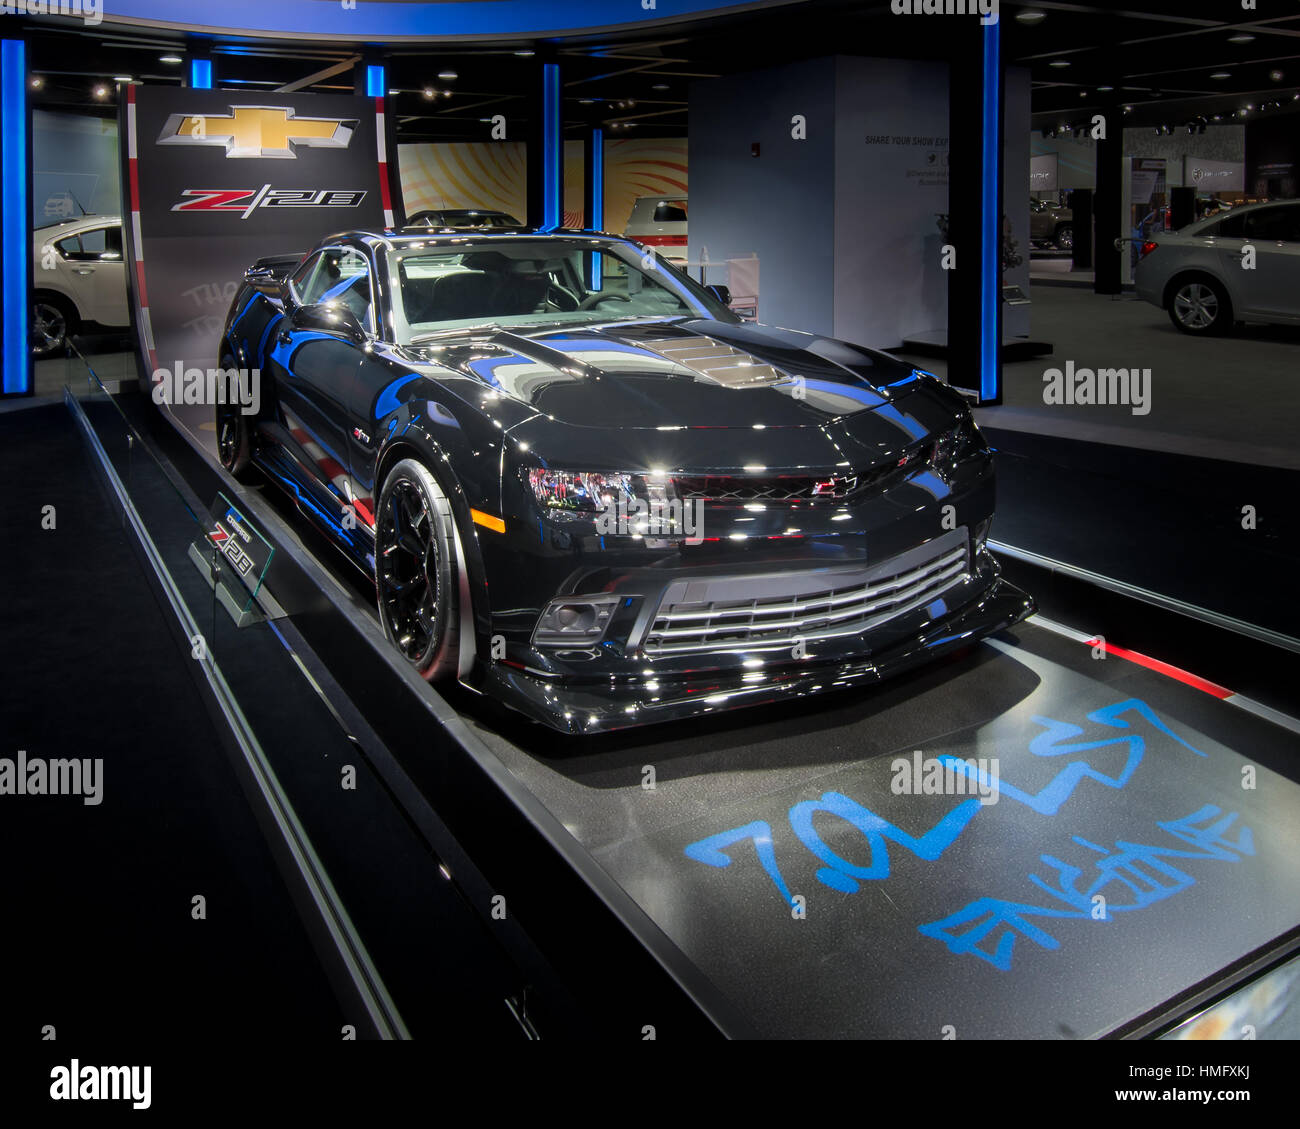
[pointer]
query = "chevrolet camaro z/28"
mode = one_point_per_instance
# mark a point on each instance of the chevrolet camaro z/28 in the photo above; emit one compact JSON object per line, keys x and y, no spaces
{"x":583,"y":486}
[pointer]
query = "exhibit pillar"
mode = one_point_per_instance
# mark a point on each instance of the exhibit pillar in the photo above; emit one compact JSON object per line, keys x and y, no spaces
{"x":593,"y":165}
{"x":1108,"y":205}
{"x":545,"y":147}
{"x":15,"y":219}
{"x":975,"y":96}
{"x":1081,"y":209}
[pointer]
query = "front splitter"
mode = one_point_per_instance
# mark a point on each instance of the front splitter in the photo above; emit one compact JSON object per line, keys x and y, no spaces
{"x":585,"y":708}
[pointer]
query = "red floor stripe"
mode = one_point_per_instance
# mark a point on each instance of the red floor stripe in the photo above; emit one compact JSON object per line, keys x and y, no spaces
{"x":1165,"y":668}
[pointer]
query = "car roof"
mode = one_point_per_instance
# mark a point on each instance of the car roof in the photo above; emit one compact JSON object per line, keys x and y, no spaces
{"x":405,"y":236}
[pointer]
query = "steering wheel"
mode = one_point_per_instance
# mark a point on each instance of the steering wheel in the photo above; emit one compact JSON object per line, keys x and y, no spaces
{"x":570,"y":301}
{"x":595,"y":299}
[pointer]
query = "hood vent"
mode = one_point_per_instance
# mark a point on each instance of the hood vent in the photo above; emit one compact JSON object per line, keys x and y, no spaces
{"x":716,"y":362}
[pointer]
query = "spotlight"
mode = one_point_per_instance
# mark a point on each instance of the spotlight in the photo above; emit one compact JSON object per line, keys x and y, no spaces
{"x":430,"y":93}
{"x":122,"y":78}
{"x":100,"y":92}
{"x":36,"y":82}
{"x":448,"y":76}
{"x":1058,"y":63}
{"x":523,"y":54}
{"x":1276,"y":76}
{"x":174,"y":60}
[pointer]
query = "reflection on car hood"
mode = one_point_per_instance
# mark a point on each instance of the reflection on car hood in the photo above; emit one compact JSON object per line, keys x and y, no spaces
{"x":678,"y":373}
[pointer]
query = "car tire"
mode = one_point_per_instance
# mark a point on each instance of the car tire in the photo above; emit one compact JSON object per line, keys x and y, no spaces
{"x":415,"y":570}
{"x":54,"y":321}
{"x":1064,"y":240}
{"x":1200,"y":306}
{"x":234,"y":438}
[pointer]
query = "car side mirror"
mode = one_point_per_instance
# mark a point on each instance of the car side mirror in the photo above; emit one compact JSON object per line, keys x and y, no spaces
{"x":721,"y":293}
{"x":265,"y":281}
{"x":330,"y":317}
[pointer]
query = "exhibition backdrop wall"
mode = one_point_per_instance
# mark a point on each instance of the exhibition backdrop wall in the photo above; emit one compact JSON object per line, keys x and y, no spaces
{"x":491,"y":175}
{"x":778,"y":204}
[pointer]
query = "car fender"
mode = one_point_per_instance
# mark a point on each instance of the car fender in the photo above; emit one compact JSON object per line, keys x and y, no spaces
{"x":407,"y":436}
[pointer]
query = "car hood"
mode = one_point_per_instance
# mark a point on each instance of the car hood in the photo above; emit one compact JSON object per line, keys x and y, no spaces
{"x":663,"y":375}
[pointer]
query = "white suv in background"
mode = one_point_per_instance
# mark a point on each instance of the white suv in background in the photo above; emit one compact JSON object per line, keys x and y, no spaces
{"x":660,"y":222}
{"x":79,"y":280}
{"x":1197,"y":272}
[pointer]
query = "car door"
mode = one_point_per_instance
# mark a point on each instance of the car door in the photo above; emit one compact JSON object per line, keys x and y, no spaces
{"x":95,"y":273}
{"x":1273,"y":288}
{"x":315,"y":370}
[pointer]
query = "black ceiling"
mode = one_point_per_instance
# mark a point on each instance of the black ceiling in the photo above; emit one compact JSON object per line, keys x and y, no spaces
{"x":1159,"y":57}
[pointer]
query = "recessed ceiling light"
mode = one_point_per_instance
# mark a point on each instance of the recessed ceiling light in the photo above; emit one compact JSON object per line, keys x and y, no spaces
{"x":585,"y":101}
{"x":1059,"y":63}
{"x":1031,"y":17}
{"x":1242,"y":38}
{"x":122,"y":78}
{"x":173,"y":59}
{"x":1221,"y":74}
{"x":448,"y":76}
{"x":659,"y":86}
{"x":1276,"y":76}
{"x":524,"y":54}
{"x":1104,"y":89}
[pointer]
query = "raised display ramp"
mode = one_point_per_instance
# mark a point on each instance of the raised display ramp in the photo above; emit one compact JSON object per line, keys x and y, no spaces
{"x":1124,"y":849}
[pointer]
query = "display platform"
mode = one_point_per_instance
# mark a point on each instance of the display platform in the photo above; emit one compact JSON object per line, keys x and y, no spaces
{"x":1027,"y":840}
{"x":1135,"y":845}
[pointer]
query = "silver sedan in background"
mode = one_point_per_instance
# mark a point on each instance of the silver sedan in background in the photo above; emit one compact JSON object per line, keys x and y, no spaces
{"x":1243,"y":265}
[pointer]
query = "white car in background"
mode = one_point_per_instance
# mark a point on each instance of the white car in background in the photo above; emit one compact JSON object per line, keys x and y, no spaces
{"x":1199,"y":274}
{"x":660,"y":222}
{"x":79,"y":281}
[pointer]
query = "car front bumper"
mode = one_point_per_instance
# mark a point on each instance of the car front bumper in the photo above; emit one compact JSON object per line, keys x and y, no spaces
{"x":981,"y":604}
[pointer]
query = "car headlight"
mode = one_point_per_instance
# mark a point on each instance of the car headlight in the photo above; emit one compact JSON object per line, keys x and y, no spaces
{"x":956,"y":443}
{"x":578,"y":492}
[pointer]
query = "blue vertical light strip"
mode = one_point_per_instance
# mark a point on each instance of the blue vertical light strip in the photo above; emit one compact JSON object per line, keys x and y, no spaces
{"x":596,"y":221}
{"x":991,"y":262}
{"x":201,"y":74}
{"x":375,"y":87}
{"x":15,"y":218}
{"x":597,"y":179}
{"x":552,"y":146}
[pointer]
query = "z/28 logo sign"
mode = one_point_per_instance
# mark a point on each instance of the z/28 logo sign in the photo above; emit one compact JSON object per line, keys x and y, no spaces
{"x":248,"y":200}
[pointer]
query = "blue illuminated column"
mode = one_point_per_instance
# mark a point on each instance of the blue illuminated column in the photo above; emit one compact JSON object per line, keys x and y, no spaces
{"x":552,"y":148}
{"x":201,"y":74}
{"x":975,"y":97}
{"x":991,"y":241}
{"x":15,"y":218}
{"x":375,"y":85}
{"x":544,"y":142}
{"x":593,"y":196}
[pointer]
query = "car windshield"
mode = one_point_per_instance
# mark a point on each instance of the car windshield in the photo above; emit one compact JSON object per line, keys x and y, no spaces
{"x":520,"y":282}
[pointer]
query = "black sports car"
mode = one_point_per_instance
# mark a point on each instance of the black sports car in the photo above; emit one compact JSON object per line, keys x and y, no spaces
{"x":583,"y":486}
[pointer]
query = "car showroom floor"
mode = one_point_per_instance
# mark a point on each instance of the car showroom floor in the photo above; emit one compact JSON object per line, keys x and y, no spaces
{"x":1193,"y":411}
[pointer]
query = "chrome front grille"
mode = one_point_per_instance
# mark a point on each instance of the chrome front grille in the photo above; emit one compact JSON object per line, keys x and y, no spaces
{"x":770,"y":617}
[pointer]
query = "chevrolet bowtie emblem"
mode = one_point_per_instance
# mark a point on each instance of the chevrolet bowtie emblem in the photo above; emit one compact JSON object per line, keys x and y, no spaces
{"x":257,"y":131}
